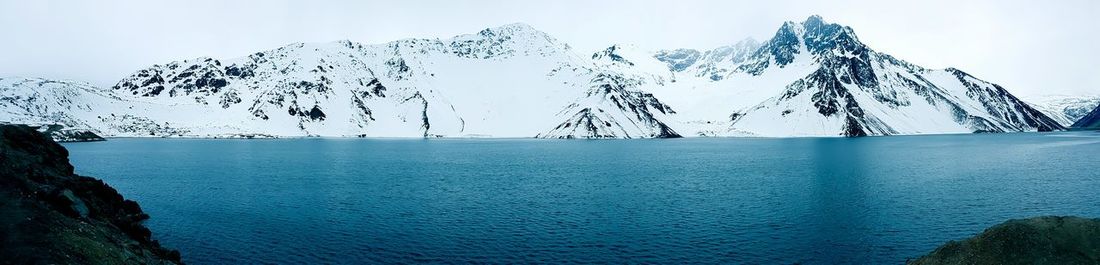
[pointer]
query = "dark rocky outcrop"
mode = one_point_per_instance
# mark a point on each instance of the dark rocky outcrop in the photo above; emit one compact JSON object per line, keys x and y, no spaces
{"x":1039,"y":240}
{"x":49,"y":215}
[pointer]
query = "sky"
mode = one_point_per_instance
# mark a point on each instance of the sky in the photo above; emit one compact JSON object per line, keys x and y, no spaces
{"x":1029,"y":47}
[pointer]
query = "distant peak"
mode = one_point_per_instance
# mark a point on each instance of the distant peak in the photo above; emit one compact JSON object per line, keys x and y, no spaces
{"x":614,"y":53}
{"x":747,"y":42}
{"x":513,"y":28}
{"x":814,"y":19}
{"x":516,"y":30}
{"x":518,"y":25}
{"x":815,"y":23}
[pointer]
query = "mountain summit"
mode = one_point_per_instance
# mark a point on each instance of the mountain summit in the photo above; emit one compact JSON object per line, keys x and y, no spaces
{"x":822,"y":80}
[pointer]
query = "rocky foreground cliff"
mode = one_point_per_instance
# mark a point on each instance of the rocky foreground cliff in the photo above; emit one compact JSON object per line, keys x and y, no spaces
{"x":1039,"y":240}
{"x":49,"y":215}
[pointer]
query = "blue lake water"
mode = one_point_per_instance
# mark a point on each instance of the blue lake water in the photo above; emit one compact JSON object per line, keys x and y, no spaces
{"x":707,"y":200}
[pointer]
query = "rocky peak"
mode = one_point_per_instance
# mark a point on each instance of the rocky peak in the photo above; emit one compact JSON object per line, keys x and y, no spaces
{"x":511,"y":29}
{"x":203,"y":76}
{"x":678,"y":60}
{"x":814,"y":35}
{"x":714,"y":63}
{"x":613,"y":55}
{"x":506,"y":41}
{"x":813,"y":20}
{"x":820,"y":37}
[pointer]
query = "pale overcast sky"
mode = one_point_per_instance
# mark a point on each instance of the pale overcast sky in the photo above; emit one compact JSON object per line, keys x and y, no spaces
{"x":1030,"y":47}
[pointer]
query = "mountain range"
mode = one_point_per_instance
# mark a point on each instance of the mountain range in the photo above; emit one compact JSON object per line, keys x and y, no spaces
{"x":812,"y":78}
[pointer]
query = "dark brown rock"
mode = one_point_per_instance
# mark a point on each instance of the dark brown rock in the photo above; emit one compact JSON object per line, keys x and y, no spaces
{"x":48,"y":215}
{"x":1039,"y":240}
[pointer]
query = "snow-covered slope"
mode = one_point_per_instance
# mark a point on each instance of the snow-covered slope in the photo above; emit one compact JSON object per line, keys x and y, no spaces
{"x":811,"y":79}
{"x":1066,"y":109}
{"x":412,"y":87}
{"x":815,"y":78}
{"x":509,"y":81}
{"x":40,"y":101}
{"x":614,"y":104}
{"x":1090,"y":121}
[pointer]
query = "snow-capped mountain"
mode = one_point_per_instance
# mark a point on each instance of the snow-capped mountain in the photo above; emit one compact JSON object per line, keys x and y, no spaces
{"x":811,"y":79}
{"x":714,"y":64}
{"x":412,"y":87}
{"x":816,"y":78}
{"x":1066,"y":109}
{"x":509,"y":81}
{"x":40,"y":101}
{"x":1090,"y":121}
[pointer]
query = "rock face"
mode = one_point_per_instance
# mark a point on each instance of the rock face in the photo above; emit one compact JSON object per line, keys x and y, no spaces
{"x":1040,"y":240}
{"x":49,"y":215}
{"x":1090,"y":121}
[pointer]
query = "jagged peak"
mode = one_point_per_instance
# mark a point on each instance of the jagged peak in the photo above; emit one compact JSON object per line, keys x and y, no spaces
{"x":512,"y":30}
{"x":747,"y":42}
{"x":957,"y":72}
{"x":789,"y":28}
{"x":813,"y":20}
{"x":619,"y":47}
{"x":814,"y":27}
{"x":516,"y":37}
{"x":817,"y":34}
{"x":513,"y":27}
{"x":615,"y":53}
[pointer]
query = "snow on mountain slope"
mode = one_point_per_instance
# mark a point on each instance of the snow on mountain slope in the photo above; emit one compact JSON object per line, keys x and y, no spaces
{"x":614,"y":104}
{"x":811,"y":79}
{"x":81,"y":106}
{"x":1066,"y":109}
{"x":1090,"y":121}
{"x":851,"y":90}
{"x":713,"y":64}
{"x":510,"y":81}
{"x":40,"y":101}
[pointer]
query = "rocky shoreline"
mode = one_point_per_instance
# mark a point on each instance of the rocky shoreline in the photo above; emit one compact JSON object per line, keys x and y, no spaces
{"x":1038,"y":240}
{"x":61,"y":134}
{"x":49,"y":215}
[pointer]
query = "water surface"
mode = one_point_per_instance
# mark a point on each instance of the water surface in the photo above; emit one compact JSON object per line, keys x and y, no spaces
{"x":709,"y":200}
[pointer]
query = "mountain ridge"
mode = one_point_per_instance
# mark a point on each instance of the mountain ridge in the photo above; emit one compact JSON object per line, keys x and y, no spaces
{"x":812,"y":78}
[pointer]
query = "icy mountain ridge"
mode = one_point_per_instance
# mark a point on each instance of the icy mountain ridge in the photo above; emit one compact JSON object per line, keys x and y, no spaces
{"x":810,"y":79}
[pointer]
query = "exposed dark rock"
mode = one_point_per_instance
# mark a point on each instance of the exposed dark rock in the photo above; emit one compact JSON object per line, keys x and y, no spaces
{"x":611,"y":54}
{"x":594,"y":122}
{"x":1039,"y":240}
{"x":424,"y":123}
{"x":242,"y":72}
{"x":49,"y":215}
{"x":316,"y":114}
